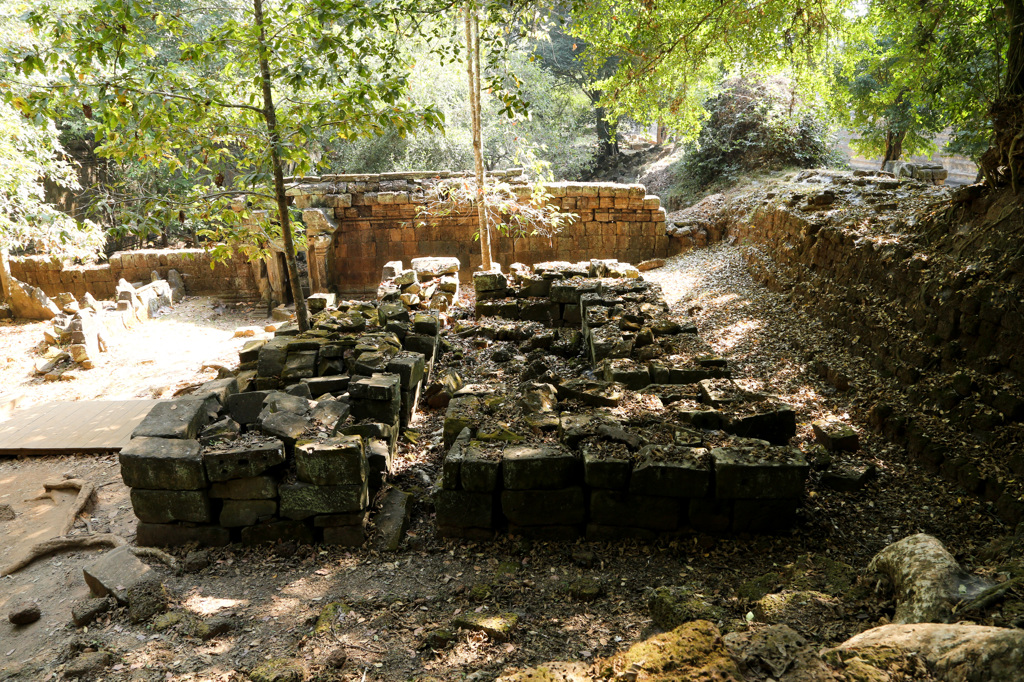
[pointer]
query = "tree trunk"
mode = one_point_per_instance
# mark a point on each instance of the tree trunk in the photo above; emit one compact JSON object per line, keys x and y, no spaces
{"x":473,"y":73}
{"x":1015,"y":48}
{"x":608,"y":145}
{"x":5,"y":276}
{"x":925,"y":578}
{"x":893,"y":146}
{"x":270,"y":116}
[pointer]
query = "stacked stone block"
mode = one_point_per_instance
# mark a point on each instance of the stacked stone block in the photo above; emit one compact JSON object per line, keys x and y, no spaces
{"x":429,"y":283}
{"x":266,"y":469}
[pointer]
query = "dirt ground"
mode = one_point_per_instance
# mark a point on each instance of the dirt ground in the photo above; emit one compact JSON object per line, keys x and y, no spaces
{"x":273,"y":596}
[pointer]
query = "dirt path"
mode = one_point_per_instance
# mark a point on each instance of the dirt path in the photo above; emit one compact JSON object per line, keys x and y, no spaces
{"x":272,"y":597}
{"x":150,"y":361}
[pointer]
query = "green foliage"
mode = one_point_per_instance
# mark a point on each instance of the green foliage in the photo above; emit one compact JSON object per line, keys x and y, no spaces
{"x":557,"y":129}
{"x":184,"y":98}
{"x":755,"y":125}
{"x":918,"y":69}
{"x":671,"y":54}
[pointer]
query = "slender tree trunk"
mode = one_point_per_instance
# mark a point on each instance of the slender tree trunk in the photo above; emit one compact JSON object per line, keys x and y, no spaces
{"x":1015,"y":48}
{"x":5,"y":276}
{"x":270,"y":115}
{"x":473,"y":73}
{"x":608,"y":145}
{"x":893,"y":146}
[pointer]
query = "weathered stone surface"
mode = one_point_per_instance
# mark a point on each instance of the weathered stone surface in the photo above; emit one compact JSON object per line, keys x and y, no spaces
{"x":221,"y":388}
{"x":287,"y":426}
{"x":162,"y":464}
{"x":301,"y":500}
{"x":245,"y":408}
{"x":602,"y":471}
{"x":378,"y":387}
{"x":849,"y":479}
{"x":224,"y":465}
{"x":835,"y":435}
{"x":409,"y":367}
{"x":88,"y":664}
{"x":299,"y":365}
{"x":115,"y":573}
{"x":30,"y":303}
{"x":463,"y":412}
{"x":164,"y":506}
{"x":392,"y":520}
{"x":672,"y":606}
{"x":461,"y":509}
{"x":334,"y":384}
{"x":593,"y":393}
{"x":175,"y":535}
{"x":146,"y":599}
{"x":279,"y":401}
{"x":539,"y":467}
{"x":435,"y":266}
{"x":280,"y":670}
{"x":480,"y":469}
{"x":694,"y":651}
{"x":671,"y":471}
{"x":345,"y":536}
{"x":180,"y":418}
{"x":86,"y":611}
{"x":544,"y":507}
{"x":277,"y":531}
{"x":226,"y":429}
{"x":251,"y":488}
{"x":538,"y":398}
{"x":775,"y":426}
{"x":24,"y":612}
{"x":238,"y":513}
{"x":615,"y":508}
{"x":759,"y":472}
{"x":337,"y":461}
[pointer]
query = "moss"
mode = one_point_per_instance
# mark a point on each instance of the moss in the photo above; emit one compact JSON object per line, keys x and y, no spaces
{"x":585,"y":589}
{"x":552,"y":672}
{"x":438,"y":639}
{"x":755,"y":588}
{"x":506,"y":570}
{"x":670,"y":607}
{"x":168,"y":620}
{"x":480,"y":592}
{"x":280,"y":670}
{"x":329,"y":616}
{"x":787,"y":606}
{"x":497,"y":626}
{"x":693,"y":651}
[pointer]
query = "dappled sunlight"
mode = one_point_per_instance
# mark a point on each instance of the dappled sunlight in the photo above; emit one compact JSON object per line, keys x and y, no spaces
{"x":735,"y":334}
{"x":208,"y":606}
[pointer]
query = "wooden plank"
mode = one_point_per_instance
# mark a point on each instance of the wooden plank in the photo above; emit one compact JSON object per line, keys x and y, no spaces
{"x":82,"y":426}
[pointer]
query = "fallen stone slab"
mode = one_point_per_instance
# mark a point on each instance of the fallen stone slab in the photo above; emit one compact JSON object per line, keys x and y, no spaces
{"x":180,"y":418}
{"x":539,"y":467}
{"x":835,"y":435}
{"x":759,"y":472}
{"x":245,"y":408}
{"x":87,"y":610}
{"x":392,"y":520}
{"x":115,"y":573}
{"x":671,"y":471}
{"x":337,"y":461}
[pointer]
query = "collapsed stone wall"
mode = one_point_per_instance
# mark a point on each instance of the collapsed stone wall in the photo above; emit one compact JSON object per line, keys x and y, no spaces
{"x":233,"y":280}
{"x":556,"y":463}
{"x":946,"y":334}
{"x":296,"y":444}
{"x":357,"y":223}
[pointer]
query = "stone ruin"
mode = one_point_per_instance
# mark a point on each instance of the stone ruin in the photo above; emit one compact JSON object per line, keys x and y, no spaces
{"x":646,"y":433}
{"x":295,"y":446}
{"x":80,"y":330}
{"x":613,"y":419}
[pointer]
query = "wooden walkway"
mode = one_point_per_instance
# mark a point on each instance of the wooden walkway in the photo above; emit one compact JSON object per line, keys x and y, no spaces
{"x":75,"y":426}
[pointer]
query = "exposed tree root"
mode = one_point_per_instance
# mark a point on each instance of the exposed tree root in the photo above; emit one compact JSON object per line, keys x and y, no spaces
{"x":925,"y":578}
{"x":62,"y":544}
{"x":157,"y":555}
{"x":85,"y":492}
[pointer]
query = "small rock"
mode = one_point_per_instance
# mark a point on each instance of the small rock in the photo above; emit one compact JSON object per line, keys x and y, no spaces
{"x":848,"y":479}
{"x":6,"y":512}
{"x":23,"y":612}
{"x":196,"y":560}
{"x":280,"y":670}
{"x":438,"y":639}
{"x":88,"y":663}
{"x":86,"y":611}
{"x":145,"y":600}
{"x":214,"y":627}
{"x":585,"y":589}
{"x":671,"y":607}
{"x":167,"y":620}
{"x":336,"y":658}
{"x":584,"y":558}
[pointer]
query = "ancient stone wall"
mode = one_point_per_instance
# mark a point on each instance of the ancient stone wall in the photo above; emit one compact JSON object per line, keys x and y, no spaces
{"x":949,"y":337}
{"x":234,"y":280}
{"x":357,"y":223}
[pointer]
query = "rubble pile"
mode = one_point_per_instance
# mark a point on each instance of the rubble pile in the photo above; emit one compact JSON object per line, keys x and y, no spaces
{"x":428,"y":283}
{"x":620,"y":423}
{"x":292,"y":447}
